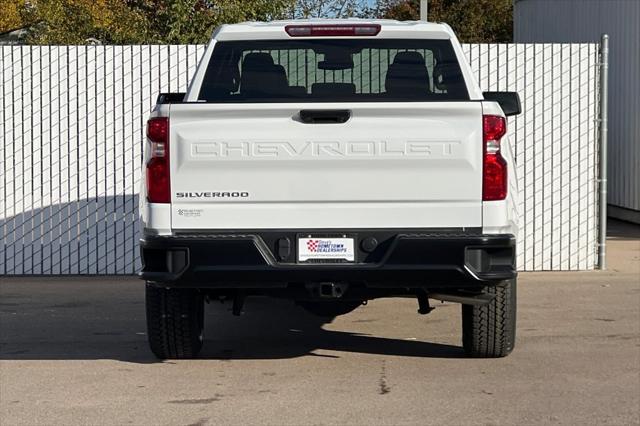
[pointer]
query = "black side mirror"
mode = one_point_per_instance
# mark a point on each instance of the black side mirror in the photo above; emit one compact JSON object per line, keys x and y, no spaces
{"x":170,"y":98}
{"x":509,"y":101}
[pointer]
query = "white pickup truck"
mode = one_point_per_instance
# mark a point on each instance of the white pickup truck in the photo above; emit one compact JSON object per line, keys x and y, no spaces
{"x":330,"y":162}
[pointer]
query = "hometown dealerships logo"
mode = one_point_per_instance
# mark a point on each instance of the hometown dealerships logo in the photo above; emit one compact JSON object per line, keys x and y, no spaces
{"x":323,"y":246}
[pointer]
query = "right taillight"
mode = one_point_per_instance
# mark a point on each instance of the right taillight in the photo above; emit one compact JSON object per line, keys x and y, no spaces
{"x":494,"y":169}
{"x":158,"y":178}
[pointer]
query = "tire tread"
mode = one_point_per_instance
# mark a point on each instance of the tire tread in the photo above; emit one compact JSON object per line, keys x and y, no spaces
{"x":489,"y":331}
{"x":175,"y":320}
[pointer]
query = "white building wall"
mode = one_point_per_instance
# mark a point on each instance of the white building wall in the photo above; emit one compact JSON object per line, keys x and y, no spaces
{"x":584,"y":21}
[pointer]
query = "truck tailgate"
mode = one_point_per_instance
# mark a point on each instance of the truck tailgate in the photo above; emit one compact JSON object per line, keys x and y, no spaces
{"x":414,"y":164}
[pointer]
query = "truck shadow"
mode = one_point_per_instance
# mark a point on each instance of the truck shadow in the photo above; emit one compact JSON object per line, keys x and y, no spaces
{"x":274,"y":329}
{"x":104,"y":318}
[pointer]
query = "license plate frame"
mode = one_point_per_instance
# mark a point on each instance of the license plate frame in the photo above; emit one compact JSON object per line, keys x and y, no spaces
{"x":324,"y":248}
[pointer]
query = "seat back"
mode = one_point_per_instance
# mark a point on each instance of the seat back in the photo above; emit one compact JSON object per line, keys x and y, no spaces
{"x":408,"y":75}
{"x":261,"y":77}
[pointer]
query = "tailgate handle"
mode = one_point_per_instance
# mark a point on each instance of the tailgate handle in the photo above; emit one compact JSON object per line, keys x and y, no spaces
{"x":324,"y":116}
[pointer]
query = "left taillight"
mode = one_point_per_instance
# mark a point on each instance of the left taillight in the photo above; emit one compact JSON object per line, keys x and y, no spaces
{"x":158,"y":178}
{"x":494,"y":170}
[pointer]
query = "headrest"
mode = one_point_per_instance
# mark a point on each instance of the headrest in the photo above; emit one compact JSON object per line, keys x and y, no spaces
{"x":408,"y":58}
{"x":257,"y":61}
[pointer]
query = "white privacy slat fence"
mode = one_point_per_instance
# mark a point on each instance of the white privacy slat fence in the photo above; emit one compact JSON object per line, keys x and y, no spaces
{"x":72,"y":126}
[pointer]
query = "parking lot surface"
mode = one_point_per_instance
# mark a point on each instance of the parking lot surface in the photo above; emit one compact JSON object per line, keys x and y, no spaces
{"x":73,"y":351}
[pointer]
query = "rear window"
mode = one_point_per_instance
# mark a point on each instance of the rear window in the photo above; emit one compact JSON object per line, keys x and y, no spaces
{"x":338,"y":70}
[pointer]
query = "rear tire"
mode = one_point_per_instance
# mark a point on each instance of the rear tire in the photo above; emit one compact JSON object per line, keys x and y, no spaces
{"x":175,"y":322}
{"x":489,"y":331}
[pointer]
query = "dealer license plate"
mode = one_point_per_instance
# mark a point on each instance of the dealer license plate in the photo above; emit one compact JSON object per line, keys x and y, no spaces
{"x":326,"y":249}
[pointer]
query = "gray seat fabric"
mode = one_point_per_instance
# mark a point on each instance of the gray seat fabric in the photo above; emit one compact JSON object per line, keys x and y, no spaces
{"x":407,"y":75}
{"x":261,"y":77}
{"x":324,"y":90}
{"x":447,"y":77}
{"x":225,"y":82}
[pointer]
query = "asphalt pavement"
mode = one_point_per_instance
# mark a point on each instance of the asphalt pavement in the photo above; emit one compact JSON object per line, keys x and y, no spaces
{"x":73,"y":351}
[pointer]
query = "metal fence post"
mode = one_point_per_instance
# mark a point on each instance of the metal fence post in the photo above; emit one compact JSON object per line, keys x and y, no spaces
{"x":604,"y":105}
{"x":424,"y":10}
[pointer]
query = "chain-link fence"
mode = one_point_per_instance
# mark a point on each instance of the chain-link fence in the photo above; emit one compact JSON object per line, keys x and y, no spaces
{"x":72,"y":125}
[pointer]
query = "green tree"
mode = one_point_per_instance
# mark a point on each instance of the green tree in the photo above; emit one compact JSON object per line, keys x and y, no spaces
{"x":192,"y":21}
{"x":474,"y":21}
{"x":82,"y":21}
{"x":331,"y":8}
{"x":141,"y":21}
{"x":10,"y":18}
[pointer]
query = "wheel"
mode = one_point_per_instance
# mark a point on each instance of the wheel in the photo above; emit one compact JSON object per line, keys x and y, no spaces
{"x":175,"y":322}
{"x":332,"y":308}
{"x":489,"y":331}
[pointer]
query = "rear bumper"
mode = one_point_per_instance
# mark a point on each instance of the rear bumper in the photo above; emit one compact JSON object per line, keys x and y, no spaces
{"x":267,"y":259}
